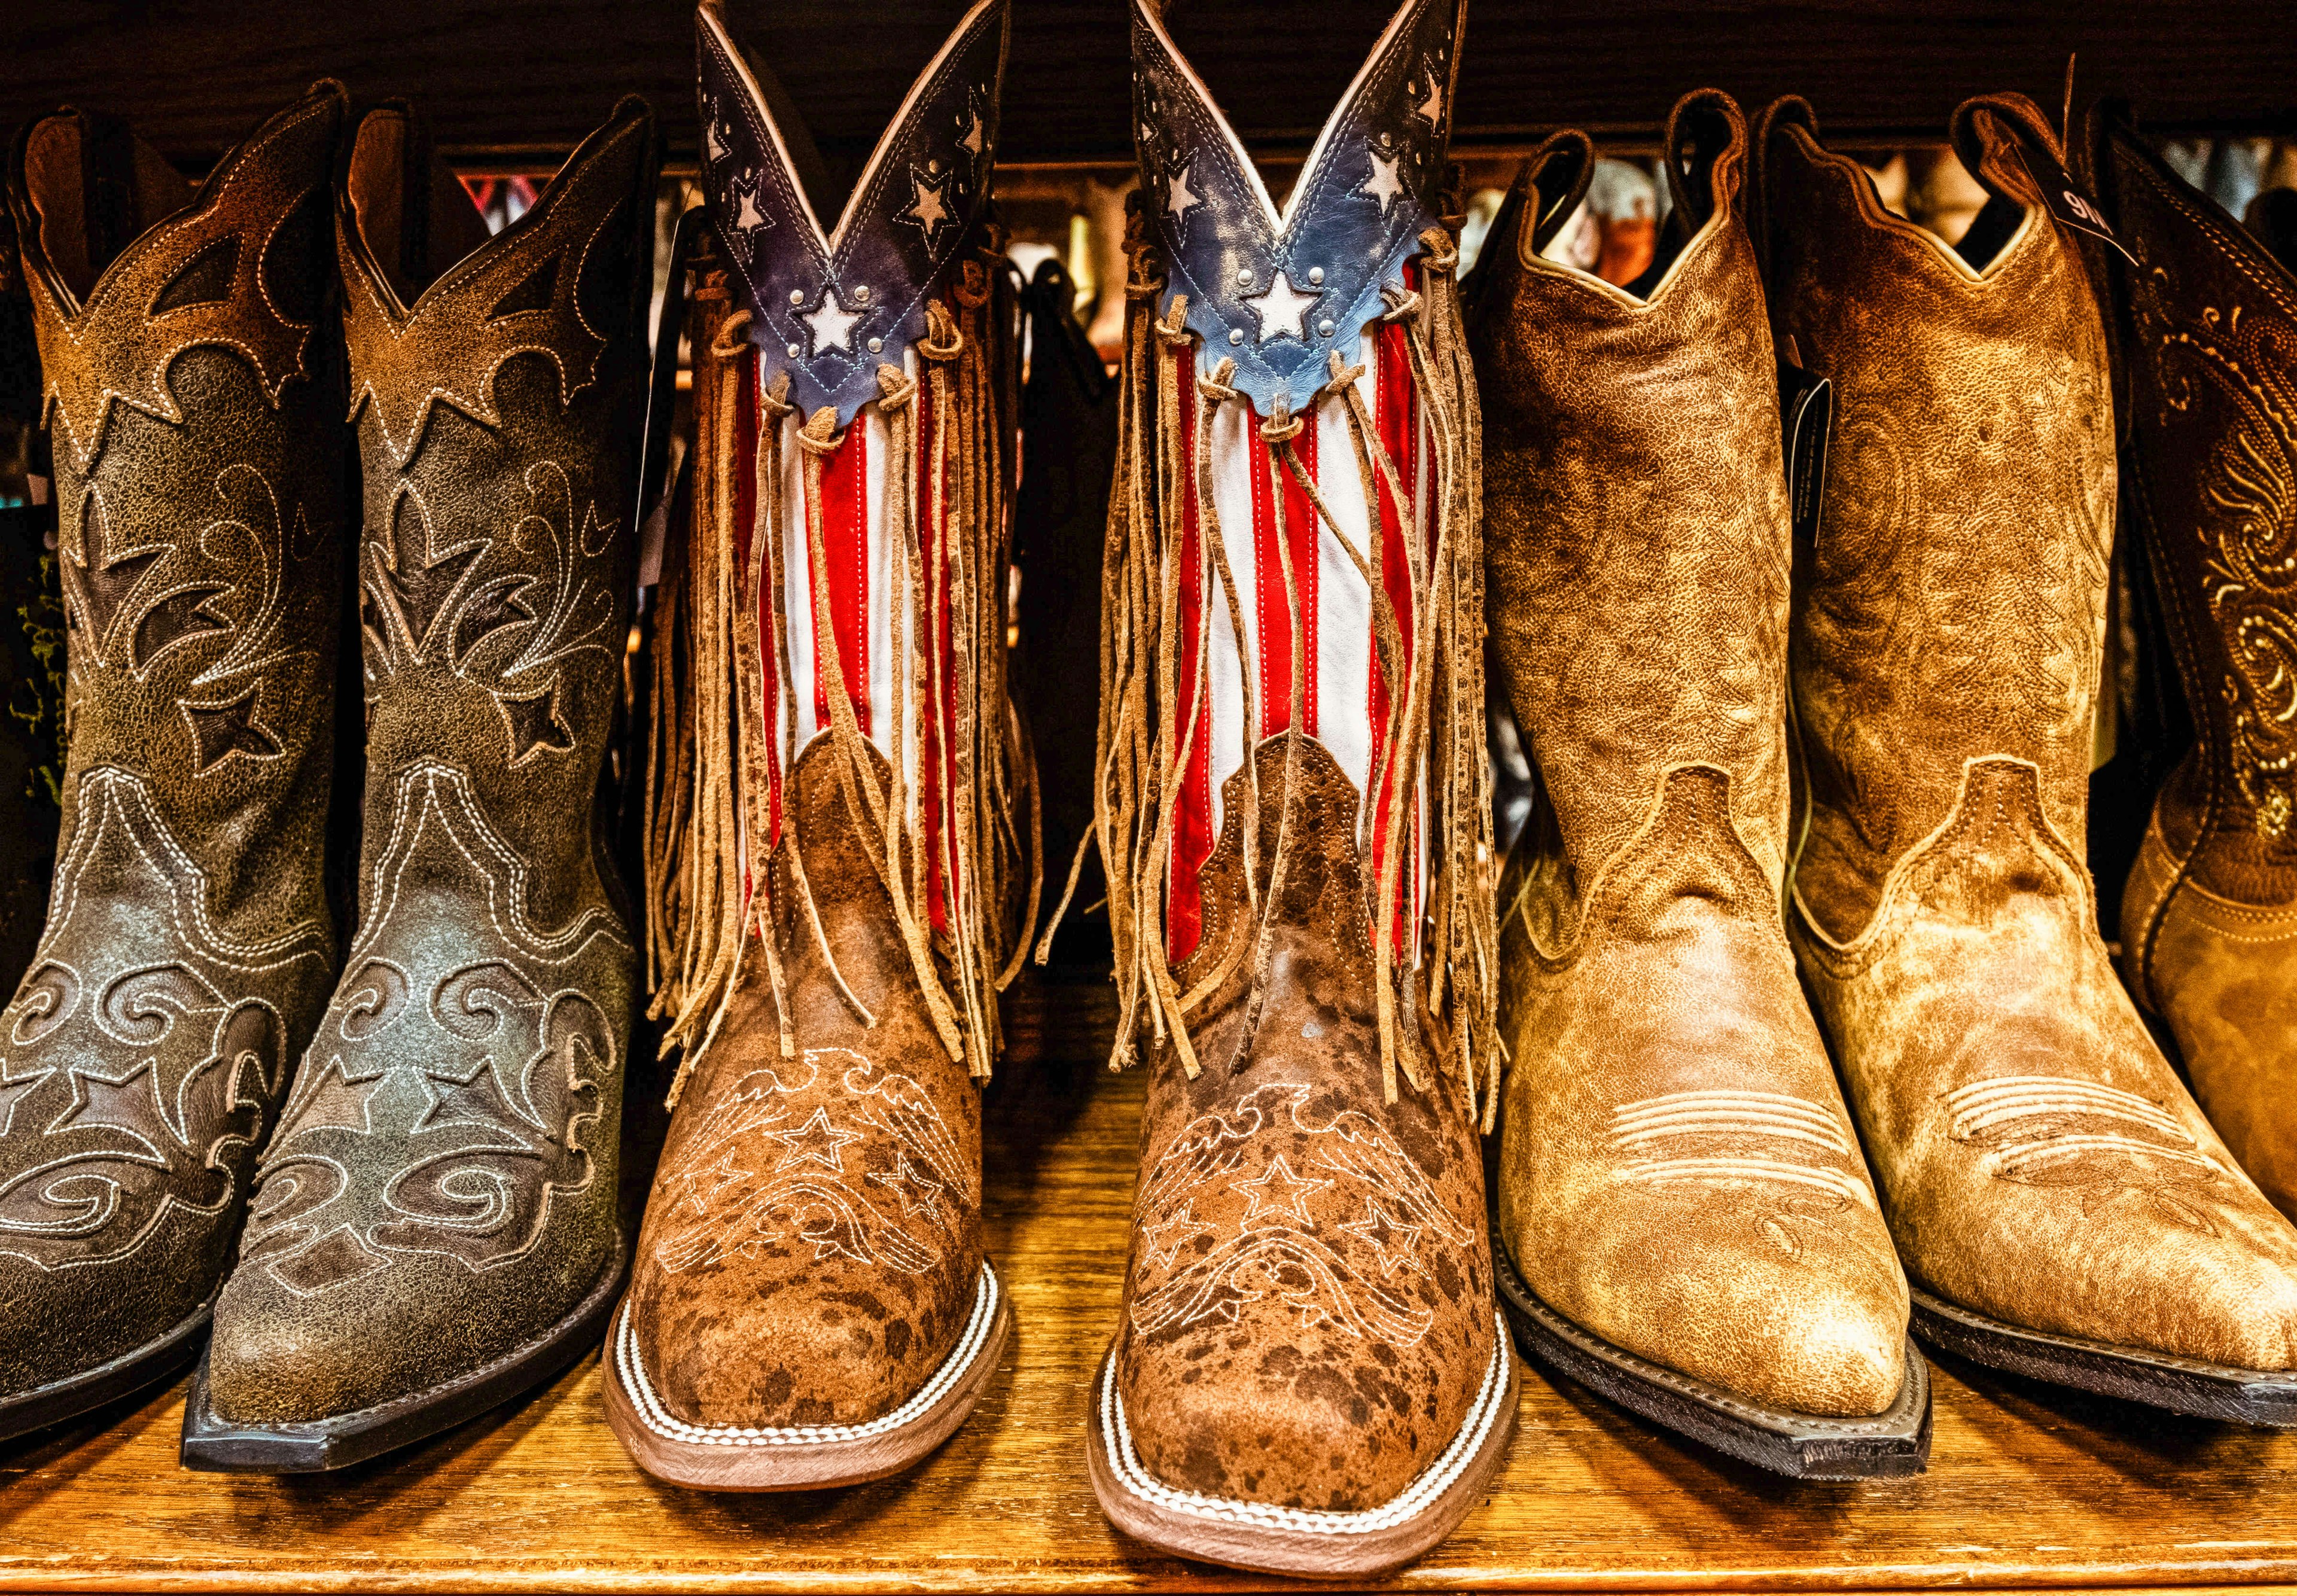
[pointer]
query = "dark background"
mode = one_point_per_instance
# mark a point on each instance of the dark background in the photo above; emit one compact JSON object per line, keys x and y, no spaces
{"x":515,"y":83}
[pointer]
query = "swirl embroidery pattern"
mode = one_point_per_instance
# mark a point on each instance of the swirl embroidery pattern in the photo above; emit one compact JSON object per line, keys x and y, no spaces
{"x":1335,"y":1219}
{"x":761,"y":1170}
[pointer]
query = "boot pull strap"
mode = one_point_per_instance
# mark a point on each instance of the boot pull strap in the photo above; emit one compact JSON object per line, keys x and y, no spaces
{"x":662,"y":398}
{"x":1705,"y":156}
{"x":1549,"y":187}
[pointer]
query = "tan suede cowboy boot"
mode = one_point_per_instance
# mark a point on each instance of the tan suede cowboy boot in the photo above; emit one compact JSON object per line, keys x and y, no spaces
{"x":189,"y":947}
{"x":1309,"y":1374}
{"x":2207,"y":322}
{"x":435,"y":1228}
{"x":1685,"y":1221}
{"x":2062,"y":1207}
{"x":836,"y":855}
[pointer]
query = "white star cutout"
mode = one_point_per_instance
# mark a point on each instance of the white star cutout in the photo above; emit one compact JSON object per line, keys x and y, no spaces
{"x":1179,"y":197}
{"x":928,"y":210}
{"x":1432,"y":107}
{"x":717,"y":141}
{"x":974,"y":139}
{"x":1282,"y":309}
{"x":831,"y":324}
{"x":748,"y":218}
{"x":1384,"y":186}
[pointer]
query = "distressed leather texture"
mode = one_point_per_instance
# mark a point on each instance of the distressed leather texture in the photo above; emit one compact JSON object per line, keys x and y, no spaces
{"x":440,"y":1190}
{"x":189,"y":949}
{"x":861,"y":287}
{"x":1281,"y":291}
{"x":812,"y":1244}
{"x":1308,"y":1308}
{"x":1677,"y":1172}
{"x":2039,"y":1161}
{"x":2206,"y":321}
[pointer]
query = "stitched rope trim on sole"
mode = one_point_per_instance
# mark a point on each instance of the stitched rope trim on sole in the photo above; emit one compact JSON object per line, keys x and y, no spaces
{"x":631,"y":1368}
{"x":1416,"y":1498}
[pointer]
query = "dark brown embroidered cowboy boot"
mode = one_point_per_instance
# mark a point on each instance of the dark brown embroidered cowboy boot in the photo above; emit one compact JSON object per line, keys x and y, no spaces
{"x":2062,"y":1207}
{"x":434,"y":1228}
{"x":1309,"y":1374}
{"x":189,"y":947}
{"x":835,"y":855}
{"x":1686,"y":1223}
{"x":2207,"y":323}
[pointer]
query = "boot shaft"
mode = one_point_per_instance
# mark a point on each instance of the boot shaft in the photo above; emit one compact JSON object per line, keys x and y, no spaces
{"x":2205,"y":316}
{"x":199,"y":467}
{"x":1956,"y":600}
{"x":1639,"y":585}
{"x":495,"y":385}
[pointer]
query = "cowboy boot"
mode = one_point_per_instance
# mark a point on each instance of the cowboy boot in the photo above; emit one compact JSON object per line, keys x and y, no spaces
{"x":833,"y":860}
{"x":1309,"y":1374}
{"x":1685,"y":1223}
{"x":2205,"y":318}
{"x":189,"y":946}
{"x":435,"y":1226}
{"x":2063,"y":1209}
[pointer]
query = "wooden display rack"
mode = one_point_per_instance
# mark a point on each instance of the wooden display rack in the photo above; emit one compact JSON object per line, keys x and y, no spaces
{"x":2029,"y":1486}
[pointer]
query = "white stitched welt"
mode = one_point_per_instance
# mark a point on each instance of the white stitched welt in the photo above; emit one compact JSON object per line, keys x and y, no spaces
{"x":655,"y":1417}
{"x":1438,"y":1478}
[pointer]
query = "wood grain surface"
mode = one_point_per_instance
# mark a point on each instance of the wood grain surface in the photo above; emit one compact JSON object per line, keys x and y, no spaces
{"x":516,"y":83}
{"x":2028,"y":1486}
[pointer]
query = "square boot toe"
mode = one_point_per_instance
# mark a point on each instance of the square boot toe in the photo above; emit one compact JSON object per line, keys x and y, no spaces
{"x":798,"y":1346}
{"x":1297,"y":1422}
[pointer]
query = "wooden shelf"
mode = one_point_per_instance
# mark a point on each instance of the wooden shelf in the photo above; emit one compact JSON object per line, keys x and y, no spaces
{"x":2029,"y":1486}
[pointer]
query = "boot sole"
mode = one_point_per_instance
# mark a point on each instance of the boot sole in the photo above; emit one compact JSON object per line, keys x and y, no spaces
{"x":1893,"y":1444}
{"x":2158,"y":1379}
{"x":151,"y":1364}
{"x":213,"y":1443}
{"x":808,"y":1457}
{"x":1263,"y":1538}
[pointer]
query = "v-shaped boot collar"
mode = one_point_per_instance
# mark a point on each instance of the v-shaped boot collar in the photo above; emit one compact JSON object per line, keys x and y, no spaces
{"x":1279,"y":291}
{"x":830,"y":309}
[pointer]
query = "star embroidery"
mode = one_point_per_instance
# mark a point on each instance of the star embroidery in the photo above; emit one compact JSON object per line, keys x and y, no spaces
{"x":725,"y":1174}
{"x":337,"y":1103}
{"x":1165,"y":1240}
{"x":221,"y":731}
{"x":974,"y":139}
{"x":1179,"y":199}
{"x":831,"y":324}
{"x":1282,"y":309}
{"x":1279,"y":1193}
{"x":129,"y":1102}
{"x":13,"y":1093}
{"x":816,"y":1141}
{"x":907,"y":1178}
{"x":1396,"y":1243}
{"x":1384,"y":184}
{"x":928,"y":209}
{"x":714,"y":139}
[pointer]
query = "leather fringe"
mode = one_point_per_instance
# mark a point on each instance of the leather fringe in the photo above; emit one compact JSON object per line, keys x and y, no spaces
{"x":1435,"y":739}
{"x":711,"y":757}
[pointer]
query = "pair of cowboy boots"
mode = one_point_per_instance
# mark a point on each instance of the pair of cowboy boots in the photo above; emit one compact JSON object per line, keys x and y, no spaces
{"x":1686,"y":1222}
{"x":2204,"y":313}
{"x":431,"y":1224}
{"x":838,"y":851}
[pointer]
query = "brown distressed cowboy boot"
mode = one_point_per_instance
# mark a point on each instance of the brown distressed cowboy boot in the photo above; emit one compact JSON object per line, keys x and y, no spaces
{"x":2063,"y":1209}
{"x":1685,"y":1223}
{"x":189,"y":947}
{"x":835,"y":852}
{"x":1309,"y":1374}
{"x":2207,"y":321}
{"x":434,"y":1228}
